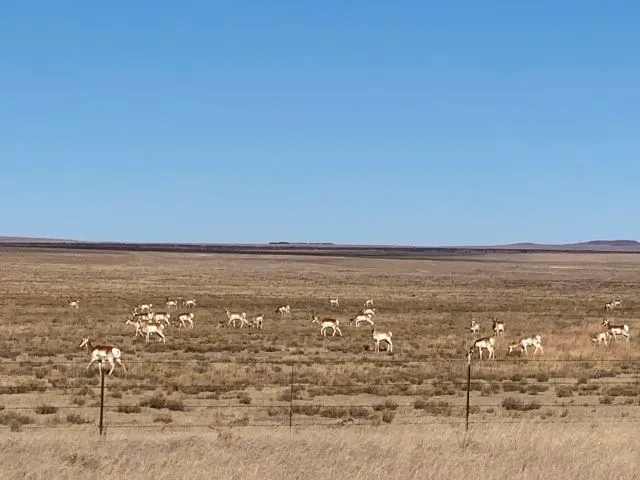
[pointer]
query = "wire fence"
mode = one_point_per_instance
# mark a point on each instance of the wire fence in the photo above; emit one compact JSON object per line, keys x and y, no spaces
{"x":304,"y":393}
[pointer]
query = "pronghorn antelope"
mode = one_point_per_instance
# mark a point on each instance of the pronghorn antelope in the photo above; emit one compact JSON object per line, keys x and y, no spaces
{"x":74,"y":304}
{"x":615,"y":330}
{"x":380,"y":337}
{"x":146,"y":308}
{"x":368,"y":303}
{"x":241,"y":317}
{"x":368,"y":311}
{"x":327,"y":323}
{"x":257,"y":322}
{"x":171,"y":303}
{"x":612,"y":305}
{"x":146,"y":317}
{"x":361,"y":318}
{"x":186,"y":317}
{"x":149,"y":328}
{"x":601,"y":337}
{"x":523,"y":343}
{"x":284,"y":310}
{"x":334,"y":302}
{"x":189,"y":303}
{"x":161,"y":317}
{"x":475,"y":328}
{"x":484,"y":343}
{"x":100,"y":353}
{"x":498,"y":327}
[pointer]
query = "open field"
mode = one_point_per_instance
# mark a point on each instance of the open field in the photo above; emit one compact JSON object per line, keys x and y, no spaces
{"x":209,"y":377}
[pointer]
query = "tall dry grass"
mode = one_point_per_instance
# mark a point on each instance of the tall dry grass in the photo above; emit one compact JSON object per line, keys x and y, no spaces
{"x":522,"y":450}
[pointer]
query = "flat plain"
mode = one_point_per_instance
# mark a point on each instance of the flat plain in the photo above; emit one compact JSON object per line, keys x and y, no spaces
{"x":235,"y":391}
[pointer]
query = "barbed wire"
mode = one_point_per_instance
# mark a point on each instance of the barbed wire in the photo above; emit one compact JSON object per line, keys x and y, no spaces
{"x":351,"y":361}
{"x":214,"y":387}
{"x":333,"y":425}
{"x":297,"y":404}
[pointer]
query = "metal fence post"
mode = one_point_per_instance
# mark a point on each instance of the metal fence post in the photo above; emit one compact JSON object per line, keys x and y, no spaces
{"x":100,"y":425}
{"x":468,"y":389}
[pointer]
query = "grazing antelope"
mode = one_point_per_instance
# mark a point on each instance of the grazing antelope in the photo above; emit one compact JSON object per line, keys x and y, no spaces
{"x":475,"y":328}
{"x":600,"y":337}
{"x":74,"y":304}
{"x":484,"y":343}
{"x":368,"y":311}
{"x":334,"y":302}
{"x":361,"y":318}
{"x":368,"y":303}
{"x":380,"y":337}
{"x":189,"y":304}
{"x":161,"y":317}
{"x":100,"y":353}
{"x":327,"y":323}
{"x":149,"y":328}
{"x":186,"y":317}
{"x":498,"y":327}
{"x":171,"y":303}
{"x":257,"y":322}
{"x":615,"y":330}
{"x":241,"y":317}
{"x":612,"y":305}
{"x":523,"y":343}
{"x":284,"y":310}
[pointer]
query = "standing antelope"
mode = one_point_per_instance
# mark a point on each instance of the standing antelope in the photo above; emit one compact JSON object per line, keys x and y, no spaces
{"x":241,"y":317}
{"x":149,"y":328}
{"x":161,"y":317}
{"x":327,"y":323}
{"x":484,"y":343}
{"x":100,"y":353}
{"x":284,"y":310}
{"x":600,"y":337}
{"x":171,"y":303}
{"x":74,"y":304}
{"x":146,"y":308}
{"x":612,"y":305}
{"x":498,"y":327}
{"x":475,"y":328}
{"x":189,"y":304}
{"x":334,"y":302}
{"x":186,"y":317}
{"x":381,"y":336}
{"x":361,"y":318}
{"x":615,"y":330}
{"x":523,"y":343}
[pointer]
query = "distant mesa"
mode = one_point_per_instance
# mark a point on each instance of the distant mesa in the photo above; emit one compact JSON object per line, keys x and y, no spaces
{"x":327,"y":248}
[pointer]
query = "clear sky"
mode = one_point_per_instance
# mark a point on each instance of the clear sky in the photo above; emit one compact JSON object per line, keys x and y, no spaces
{"x":359,"y":121}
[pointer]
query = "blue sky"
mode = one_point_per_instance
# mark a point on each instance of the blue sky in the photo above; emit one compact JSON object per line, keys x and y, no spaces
{"x":408,"y":122}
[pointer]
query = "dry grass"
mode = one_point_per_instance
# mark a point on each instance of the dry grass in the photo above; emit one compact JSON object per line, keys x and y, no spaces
{"x":524,"y":451}
{"x":207,"y":376}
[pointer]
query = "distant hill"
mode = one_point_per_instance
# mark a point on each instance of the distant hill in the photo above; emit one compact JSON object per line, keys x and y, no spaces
{"x":4,"y":239}
{"x":599,"y":245}
{"x":327,"y":248}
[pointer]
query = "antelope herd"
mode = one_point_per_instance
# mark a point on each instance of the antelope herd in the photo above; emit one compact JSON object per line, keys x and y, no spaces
{"x":149,"y":322}
{"x":535,"y":341}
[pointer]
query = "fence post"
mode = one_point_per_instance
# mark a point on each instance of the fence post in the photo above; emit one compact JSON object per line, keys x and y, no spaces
{"x":100,"y":425}
{"x":291,"y":399}
{"x":468,"y":389}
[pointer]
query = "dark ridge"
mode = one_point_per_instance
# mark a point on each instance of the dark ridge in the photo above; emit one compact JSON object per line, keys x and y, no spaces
{"x":326,"y":249}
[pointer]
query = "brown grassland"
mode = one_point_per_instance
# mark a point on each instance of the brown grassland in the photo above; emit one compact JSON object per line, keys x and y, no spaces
{"x":214,"y":401}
